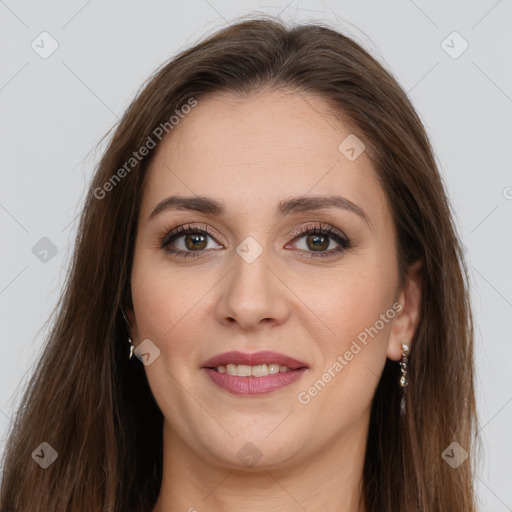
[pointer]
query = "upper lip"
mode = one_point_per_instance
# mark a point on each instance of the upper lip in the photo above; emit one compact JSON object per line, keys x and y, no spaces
{"x":254,"y":359}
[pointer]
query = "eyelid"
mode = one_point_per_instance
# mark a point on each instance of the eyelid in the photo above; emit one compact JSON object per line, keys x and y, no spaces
{"x":343,"y":241}
{"x":167,"y":234}
{"x":321,"y":226}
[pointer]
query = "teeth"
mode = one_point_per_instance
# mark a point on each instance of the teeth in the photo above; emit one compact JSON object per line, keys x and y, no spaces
{"x":273,"y":368}
{"x":259,"y":371}
{"x":244,"y":370}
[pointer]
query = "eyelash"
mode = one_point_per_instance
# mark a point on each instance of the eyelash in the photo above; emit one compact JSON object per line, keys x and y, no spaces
{"x":318,"y":229}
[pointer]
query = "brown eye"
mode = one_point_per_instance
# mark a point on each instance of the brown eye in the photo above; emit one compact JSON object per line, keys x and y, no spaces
{"x":318,"y":242}
{"x":188,"y":241}
{"x":195,"y":242}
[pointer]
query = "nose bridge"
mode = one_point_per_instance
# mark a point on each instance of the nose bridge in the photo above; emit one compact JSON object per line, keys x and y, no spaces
{"x":253,"y":292}
{"x":251,"y":264}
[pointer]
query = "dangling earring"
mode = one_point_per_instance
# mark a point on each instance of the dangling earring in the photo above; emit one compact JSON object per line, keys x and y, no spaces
{"x":403,"y":378}
{"x":132,"y":348}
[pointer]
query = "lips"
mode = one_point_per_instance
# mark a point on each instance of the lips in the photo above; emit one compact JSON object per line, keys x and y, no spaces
{"x":255,"y":359}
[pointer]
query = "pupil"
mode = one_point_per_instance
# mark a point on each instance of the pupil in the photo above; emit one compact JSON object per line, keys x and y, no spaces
{"x":191,"y":241}
{"x":317,"y":241}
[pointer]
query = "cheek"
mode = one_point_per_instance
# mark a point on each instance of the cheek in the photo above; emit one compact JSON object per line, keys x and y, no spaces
{"x":360,"y":313}
{"x":169,"y":307}
{"x":347,"y":303}
{"x":167,"y":301}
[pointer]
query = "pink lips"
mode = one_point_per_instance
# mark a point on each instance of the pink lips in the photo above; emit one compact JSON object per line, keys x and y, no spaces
{"x":250,"y":385}
{"x":264,"y":357}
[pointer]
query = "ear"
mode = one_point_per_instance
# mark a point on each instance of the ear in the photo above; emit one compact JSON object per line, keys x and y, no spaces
{"x":129,"y":313}
{"x":406,"y":322}
{"x":132,"y":329}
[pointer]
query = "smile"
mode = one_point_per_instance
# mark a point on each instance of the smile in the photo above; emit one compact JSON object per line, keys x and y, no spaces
{"x":249,"y":384}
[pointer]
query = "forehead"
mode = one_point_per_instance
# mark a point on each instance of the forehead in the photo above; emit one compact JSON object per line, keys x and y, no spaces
{"x":251,"y":153}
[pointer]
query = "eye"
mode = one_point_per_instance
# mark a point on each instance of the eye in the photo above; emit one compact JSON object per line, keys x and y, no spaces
{"x":318,"y":239}
{"x":188,"y":241}
{"x":192,"y":241}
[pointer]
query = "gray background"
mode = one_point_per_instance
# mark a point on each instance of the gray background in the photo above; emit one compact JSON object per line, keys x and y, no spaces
{"x":55,"y":110}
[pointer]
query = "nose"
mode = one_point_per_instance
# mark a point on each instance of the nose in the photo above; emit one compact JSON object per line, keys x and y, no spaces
{"x":253,"y":295}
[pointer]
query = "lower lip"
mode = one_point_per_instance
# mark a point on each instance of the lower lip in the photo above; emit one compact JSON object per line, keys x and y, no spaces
{"x":250,"y":385}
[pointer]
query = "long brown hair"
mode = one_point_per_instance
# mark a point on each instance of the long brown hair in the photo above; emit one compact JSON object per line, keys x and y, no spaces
{"x":93,"y":405}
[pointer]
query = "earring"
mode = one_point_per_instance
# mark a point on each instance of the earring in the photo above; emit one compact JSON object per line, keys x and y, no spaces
{"x":403,"y":378}
{"x":132,"y":348}
{"x":403,"y":365}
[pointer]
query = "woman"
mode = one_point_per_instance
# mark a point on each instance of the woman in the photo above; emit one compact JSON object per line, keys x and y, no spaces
{"x":269,"y":230}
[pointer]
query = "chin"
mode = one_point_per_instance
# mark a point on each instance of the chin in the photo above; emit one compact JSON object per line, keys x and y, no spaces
{"x":258,"y":451}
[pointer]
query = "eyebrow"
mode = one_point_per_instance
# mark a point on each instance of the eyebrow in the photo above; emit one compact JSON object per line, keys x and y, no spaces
{"x":293,"y":205}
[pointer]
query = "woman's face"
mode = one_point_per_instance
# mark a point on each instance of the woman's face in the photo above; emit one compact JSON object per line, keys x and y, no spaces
{"x":256,"y":278}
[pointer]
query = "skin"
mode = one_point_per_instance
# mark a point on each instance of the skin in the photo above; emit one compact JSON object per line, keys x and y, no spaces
{"x":251,"y":154}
